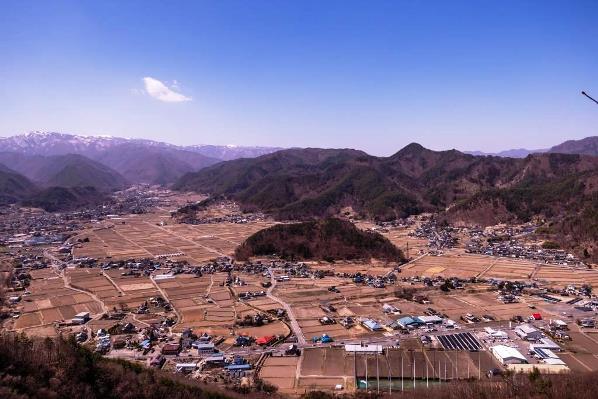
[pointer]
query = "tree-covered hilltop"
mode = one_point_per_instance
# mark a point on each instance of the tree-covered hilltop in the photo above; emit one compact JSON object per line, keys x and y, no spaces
{"x":326,"y":239}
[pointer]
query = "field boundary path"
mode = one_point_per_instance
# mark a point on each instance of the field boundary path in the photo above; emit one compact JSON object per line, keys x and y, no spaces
{"x":492,"y":263}
{"x":59,"y":267}
{"x":412,"y":262}
{"x":183,"y":238}
{"x":293,"y":321}
{"x":163,"y":293}
{"x":112,"y":282}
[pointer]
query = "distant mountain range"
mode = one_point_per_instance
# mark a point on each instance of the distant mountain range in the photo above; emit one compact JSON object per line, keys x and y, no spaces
{"x":513,"y":153}
{"x":58,"y":171}
{"x":137,"y":160}
{"x":587,"y":146}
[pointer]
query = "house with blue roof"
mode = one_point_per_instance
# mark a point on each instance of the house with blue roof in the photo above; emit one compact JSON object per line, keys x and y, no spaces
{"x":409,"y":322}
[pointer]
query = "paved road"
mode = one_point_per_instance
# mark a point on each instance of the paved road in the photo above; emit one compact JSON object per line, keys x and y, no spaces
{"x":293,"y":321}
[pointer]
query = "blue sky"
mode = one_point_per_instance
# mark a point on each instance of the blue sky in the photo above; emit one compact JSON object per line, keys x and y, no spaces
{"x":373,"y":75}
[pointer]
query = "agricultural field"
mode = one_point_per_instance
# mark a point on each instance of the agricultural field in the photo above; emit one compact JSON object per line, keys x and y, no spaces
{"x":155,"y":236}
{"x":461,"y":266}
{"x":49,"y":302}
{"x":324,"y":368}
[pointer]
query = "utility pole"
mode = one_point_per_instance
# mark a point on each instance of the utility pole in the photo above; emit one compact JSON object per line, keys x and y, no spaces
{"x":588,"y":96}
{"x":479,"y":368}
{"x":377,"y":374}
{"x":389,"y":373}
{"x":413,"y":353}
{"x":427,"y":376}
{"x":444,"y":369}
{"x":367,"y":383}
{"x":402,"y":374}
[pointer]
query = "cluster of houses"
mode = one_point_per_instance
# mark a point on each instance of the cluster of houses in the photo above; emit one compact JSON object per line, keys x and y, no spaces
{"x":515,"y":249}
{"x":439,"y":237}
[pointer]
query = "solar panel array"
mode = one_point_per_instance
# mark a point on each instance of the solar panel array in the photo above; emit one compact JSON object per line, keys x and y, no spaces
{"x":465,"y":341}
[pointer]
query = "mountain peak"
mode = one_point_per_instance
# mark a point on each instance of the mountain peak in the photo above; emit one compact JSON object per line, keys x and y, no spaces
{"x":410,"y":149}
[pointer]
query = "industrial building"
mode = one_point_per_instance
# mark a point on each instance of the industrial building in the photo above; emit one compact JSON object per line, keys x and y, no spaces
{"x":528,"y":333}
{"x":371,"y":325}
{"x":204,"y":347}
{"x":507,"y":355}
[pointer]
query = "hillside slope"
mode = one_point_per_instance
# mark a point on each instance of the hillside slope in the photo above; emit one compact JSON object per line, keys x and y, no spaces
{"x":302,"y":184}
{"x":14,"y":186}
{"x":154,"y":165}
{"x":586,"y":146}
{"x":327,"y":239}
{"x":69,"y":170}
{"x":58,"y":199}
{"x":57,"y":368}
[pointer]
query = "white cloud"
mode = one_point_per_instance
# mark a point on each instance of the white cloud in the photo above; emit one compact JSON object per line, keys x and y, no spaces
{"x":160,"y":91}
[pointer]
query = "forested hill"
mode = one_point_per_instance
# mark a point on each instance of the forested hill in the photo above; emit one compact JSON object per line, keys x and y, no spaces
{"x":301,"y":184}
{"x":306,"y":183}
{"x":328,"y":239}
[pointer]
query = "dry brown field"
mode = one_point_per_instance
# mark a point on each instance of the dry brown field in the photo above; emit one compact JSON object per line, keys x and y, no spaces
{"x":306,"y":295}
{"x":143,"y":236}
{"x":323,"y":368}
{"x":121,"y":292}
{"x":281,"y":372}
{"x":561,"y":276}
{"x":51,"y":301}
{"x":457,"y":304}
{"x":203,"y":304}
{"x":462,"y":266}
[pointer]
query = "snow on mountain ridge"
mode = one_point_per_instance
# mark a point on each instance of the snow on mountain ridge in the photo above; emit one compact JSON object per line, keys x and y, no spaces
{"x":55,"y":143}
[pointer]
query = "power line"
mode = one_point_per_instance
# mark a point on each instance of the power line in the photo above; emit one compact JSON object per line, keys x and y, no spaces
{"x":588,"y":96}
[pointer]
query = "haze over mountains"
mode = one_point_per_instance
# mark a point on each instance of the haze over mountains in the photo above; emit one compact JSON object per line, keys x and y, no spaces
{"x":586,"y":146}
{"x":59,"y":171}
{"x":137,"y":160}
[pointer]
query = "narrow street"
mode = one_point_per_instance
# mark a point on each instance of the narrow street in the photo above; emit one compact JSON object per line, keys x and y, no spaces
{"x":293,"y":321}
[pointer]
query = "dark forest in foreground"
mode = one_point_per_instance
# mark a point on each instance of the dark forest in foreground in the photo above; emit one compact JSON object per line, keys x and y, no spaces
{"x":58,"y":368}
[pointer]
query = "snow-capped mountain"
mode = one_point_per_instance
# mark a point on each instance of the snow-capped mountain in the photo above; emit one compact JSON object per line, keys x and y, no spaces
{"x":55,"y":143}
{"x":230,"y":152}
{"x":138,"y":160}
